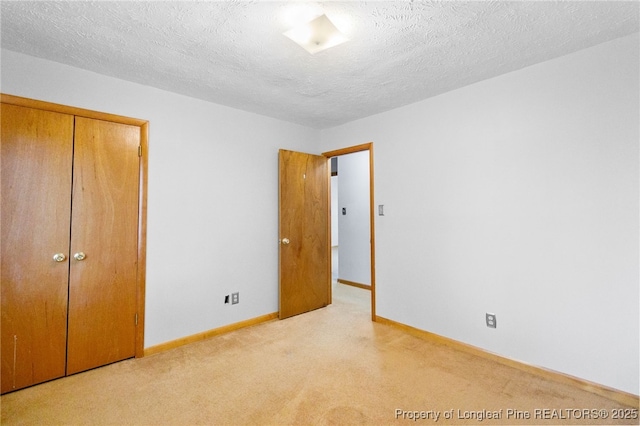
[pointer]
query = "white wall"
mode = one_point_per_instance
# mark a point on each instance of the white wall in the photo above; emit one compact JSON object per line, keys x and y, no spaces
{"x":212,"y":200}
{"x":354,"y":227}
{"x":517,"y":195}
{"x":334,"y":212}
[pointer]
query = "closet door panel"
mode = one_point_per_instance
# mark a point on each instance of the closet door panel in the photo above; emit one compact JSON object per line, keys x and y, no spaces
{"x":102,"y":286}
{"x":37,"y":152}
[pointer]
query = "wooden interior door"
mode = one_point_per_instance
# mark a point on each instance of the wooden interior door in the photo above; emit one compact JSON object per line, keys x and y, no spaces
{"x":37,"y":152}
{"x":305,"y":252}
{"x":102,"y":285}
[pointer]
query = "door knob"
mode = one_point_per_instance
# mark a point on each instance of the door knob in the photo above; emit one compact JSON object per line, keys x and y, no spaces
{"x":79,"y":256}
{"x":59,"y":257}
{"x":285,"y":241}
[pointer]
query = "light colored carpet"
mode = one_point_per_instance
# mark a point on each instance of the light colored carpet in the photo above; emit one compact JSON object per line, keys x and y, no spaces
{"x":330,"y":366}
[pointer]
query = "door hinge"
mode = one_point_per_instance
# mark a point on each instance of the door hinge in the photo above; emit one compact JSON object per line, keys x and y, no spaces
{"x":139,"y":150}
{"x":136,"y":319}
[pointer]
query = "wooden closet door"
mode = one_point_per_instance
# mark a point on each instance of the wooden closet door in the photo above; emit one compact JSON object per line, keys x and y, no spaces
{"x":102,"y":286}
{"x":37,"y":150}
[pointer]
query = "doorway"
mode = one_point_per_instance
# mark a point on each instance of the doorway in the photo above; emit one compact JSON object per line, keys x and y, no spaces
{"x":355,"y":214}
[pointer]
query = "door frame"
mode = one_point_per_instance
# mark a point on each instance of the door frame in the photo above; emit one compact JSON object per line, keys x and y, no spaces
{"x":142,"y":188}
{"x":350,"y":150}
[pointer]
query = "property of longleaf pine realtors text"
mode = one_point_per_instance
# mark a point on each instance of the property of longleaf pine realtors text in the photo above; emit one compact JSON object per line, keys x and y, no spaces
{"x":551,"y":414}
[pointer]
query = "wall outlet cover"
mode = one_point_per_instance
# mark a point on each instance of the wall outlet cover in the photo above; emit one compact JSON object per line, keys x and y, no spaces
{"x":491,"y":320}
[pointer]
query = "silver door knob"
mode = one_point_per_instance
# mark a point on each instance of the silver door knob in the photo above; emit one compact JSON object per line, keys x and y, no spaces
{"x":79,"y":256}
{"x":285,"y":241}
{"x":59,"y":257}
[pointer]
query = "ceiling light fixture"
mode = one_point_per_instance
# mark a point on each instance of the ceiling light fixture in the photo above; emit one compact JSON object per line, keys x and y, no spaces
{"x":316,"y":35}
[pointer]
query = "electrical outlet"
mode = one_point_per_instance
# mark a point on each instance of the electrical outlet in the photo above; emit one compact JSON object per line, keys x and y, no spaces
{"x":491,"y":320}
{"x":226,"y":299}
{"x":235,"y":298}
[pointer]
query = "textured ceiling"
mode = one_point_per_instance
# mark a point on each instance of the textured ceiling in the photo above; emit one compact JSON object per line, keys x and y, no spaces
{"x":233,"y":52}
